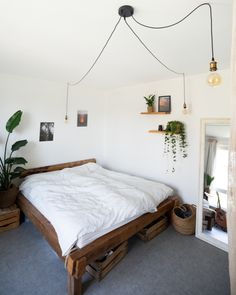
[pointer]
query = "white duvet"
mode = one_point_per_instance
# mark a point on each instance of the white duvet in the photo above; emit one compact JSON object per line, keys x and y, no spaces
{"x":85,"y":202}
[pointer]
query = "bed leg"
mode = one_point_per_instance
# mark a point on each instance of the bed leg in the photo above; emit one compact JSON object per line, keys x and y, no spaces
{"x":74,"y":285}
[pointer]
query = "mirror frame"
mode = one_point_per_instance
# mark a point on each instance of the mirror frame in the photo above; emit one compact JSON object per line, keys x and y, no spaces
{"x":199,"y":233}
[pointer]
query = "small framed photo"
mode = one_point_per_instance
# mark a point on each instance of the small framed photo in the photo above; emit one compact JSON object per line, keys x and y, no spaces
{"x":46,"y":131}
{"x":82,"y":119}
{"x":164,"y":104}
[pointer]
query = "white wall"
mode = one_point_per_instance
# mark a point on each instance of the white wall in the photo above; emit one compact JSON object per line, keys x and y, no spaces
{"x":130,"y":148}
{"x":45,"y":101}
{"x":116,"y":134}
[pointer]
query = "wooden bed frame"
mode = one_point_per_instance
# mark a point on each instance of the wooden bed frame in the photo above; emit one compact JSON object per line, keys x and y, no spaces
{"x":77,"y":260}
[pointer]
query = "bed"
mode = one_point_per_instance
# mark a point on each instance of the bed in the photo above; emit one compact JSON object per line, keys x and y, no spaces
{"x":76,"y":259}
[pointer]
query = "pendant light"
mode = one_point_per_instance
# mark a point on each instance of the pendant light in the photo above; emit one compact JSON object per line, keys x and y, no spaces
{"x":127,"y":11}
{"x":214,"y":78}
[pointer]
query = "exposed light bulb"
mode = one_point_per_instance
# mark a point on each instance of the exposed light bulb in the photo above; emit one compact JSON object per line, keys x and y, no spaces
{"x":66,"y":118}
{"x":214,"y":79}
{"x":185,"y":109}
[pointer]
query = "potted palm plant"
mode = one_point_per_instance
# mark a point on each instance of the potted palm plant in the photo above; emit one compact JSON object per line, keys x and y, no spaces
{"x":150,"y":99}
{"x":9,"y":165}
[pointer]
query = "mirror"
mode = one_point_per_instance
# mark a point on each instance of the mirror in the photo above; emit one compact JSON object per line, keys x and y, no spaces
{"x":212,"y":204}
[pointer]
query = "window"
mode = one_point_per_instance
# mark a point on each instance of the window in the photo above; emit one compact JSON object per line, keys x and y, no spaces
{"x":220,"y":172}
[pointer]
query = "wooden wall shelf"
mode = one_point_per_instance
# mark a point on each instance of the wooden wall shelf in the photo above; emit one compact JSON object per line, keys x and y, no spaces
{"x":157,"y":131}
{"x":155,"y":113}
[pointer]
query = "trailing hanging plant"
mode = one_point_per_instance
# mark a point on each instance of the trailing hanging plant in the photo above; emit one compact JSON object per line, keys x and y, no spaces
{"x":175,"y":140}
{"x":9,"y":168}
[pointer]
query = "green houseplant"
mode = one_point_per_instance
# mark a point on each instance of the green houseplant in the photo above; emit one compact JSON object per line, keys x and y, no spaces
{"x":175,"y":140}
{"x":9,"y":165}
{"x":208,"y":181}
{"x":150,"y":99}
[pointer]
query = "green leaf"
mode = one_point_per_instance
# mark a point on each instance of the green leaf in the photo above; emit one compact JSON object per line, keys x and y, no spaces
{"x":17,"y":172}
{"x":17,"y":145}
{"x":209,"y":179}
{"x":13,"y":121}
{"x":16,"y":161}
{"x":14,"y":175}
{"x":19,"y":169}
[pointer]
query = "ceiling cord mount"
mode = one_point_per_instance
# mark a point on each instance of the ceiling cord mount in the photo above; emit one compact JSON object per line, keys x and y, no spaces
{"x":126,"y":11}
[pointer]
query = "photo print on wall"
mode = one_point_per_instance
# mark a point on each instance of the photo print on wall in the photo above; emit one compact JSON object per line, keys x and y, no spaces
{"x":164,"y":104}
{"x":46,"y":131}
{"x":82,"y":119}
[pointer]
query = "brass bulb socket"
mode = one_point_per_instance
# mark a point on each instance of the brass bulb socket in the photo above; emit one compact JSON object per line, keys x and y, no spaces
{"x":213,"y":66}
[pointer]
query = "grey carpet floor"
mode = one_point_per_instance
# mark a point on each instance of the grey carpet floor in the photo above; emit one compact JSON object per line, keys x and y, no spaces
{"x":169,"y":264}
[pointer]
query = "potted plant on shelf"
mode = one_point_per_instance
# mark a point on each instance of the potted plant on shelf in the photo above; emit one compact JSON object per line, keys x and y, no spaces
{"x":175,"y":140}
{"x":150,"y":99}
{"x":9,"y":168}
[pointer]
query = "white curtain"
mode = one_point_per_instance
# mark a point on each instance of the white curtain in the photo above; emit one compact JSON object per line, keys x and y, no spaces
{"x":231,"y":213}
{"x":210,"y":153}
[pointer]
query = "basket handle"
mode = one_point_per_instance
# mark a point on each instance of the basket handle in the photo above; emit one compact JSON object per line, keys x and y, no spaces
{"x":183,"y":208}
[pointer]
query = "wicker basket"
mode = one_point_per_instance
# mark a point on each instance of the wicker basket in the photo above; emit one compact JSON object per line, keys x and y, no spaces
{"x":185,"y":226}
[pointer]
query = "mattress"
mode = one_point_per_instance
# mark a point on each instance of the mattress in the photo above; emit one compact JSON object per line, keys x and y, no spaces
{"x":88,"y":201}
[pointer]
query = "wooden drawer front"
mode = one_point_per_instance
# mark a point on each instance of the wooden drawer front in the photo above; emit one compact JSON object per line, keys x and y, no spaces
{"x":100,"y":267}
{"x":153,"y":229}
{"x":9,"y":218}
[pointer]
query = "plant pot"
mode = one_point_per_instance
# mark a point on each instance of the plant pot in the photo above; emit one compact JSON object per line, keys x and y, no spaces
{"x":8,"y":197}
{"x":150,"y":109}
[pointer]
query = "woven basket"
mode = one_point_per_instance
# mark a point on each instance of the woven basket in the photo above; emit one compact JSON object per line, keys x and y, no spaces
{"x":185,"y":226}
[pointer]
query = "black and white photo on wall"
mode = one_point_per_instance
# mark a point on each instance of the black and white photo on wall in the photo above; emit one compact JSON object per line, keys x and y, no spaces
{"x":82,"y":119}
{"x":46,"y":131}
{"x":164,"y":103}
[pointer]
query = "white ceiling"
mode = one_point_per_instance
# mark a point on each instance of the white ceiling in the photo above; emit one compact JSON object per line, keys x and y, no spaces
{"x":59,"y":39}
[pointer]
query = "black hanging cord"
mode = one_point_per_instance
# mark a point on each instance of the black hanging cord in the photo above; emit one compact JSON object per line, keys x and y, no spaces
{"x":94,"y":63}
{"x":157,"y":59}
{"x":67,"y":96}
{"x":89,"y":70}
{"x":182,"y":19}
{"x":149,"y":50}
{"x":184,"y":88}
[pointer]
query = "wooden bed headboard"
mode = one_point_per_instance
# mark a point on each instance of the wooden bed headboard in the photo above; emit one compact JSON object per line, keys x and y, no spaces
{"x":56,"y":167}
